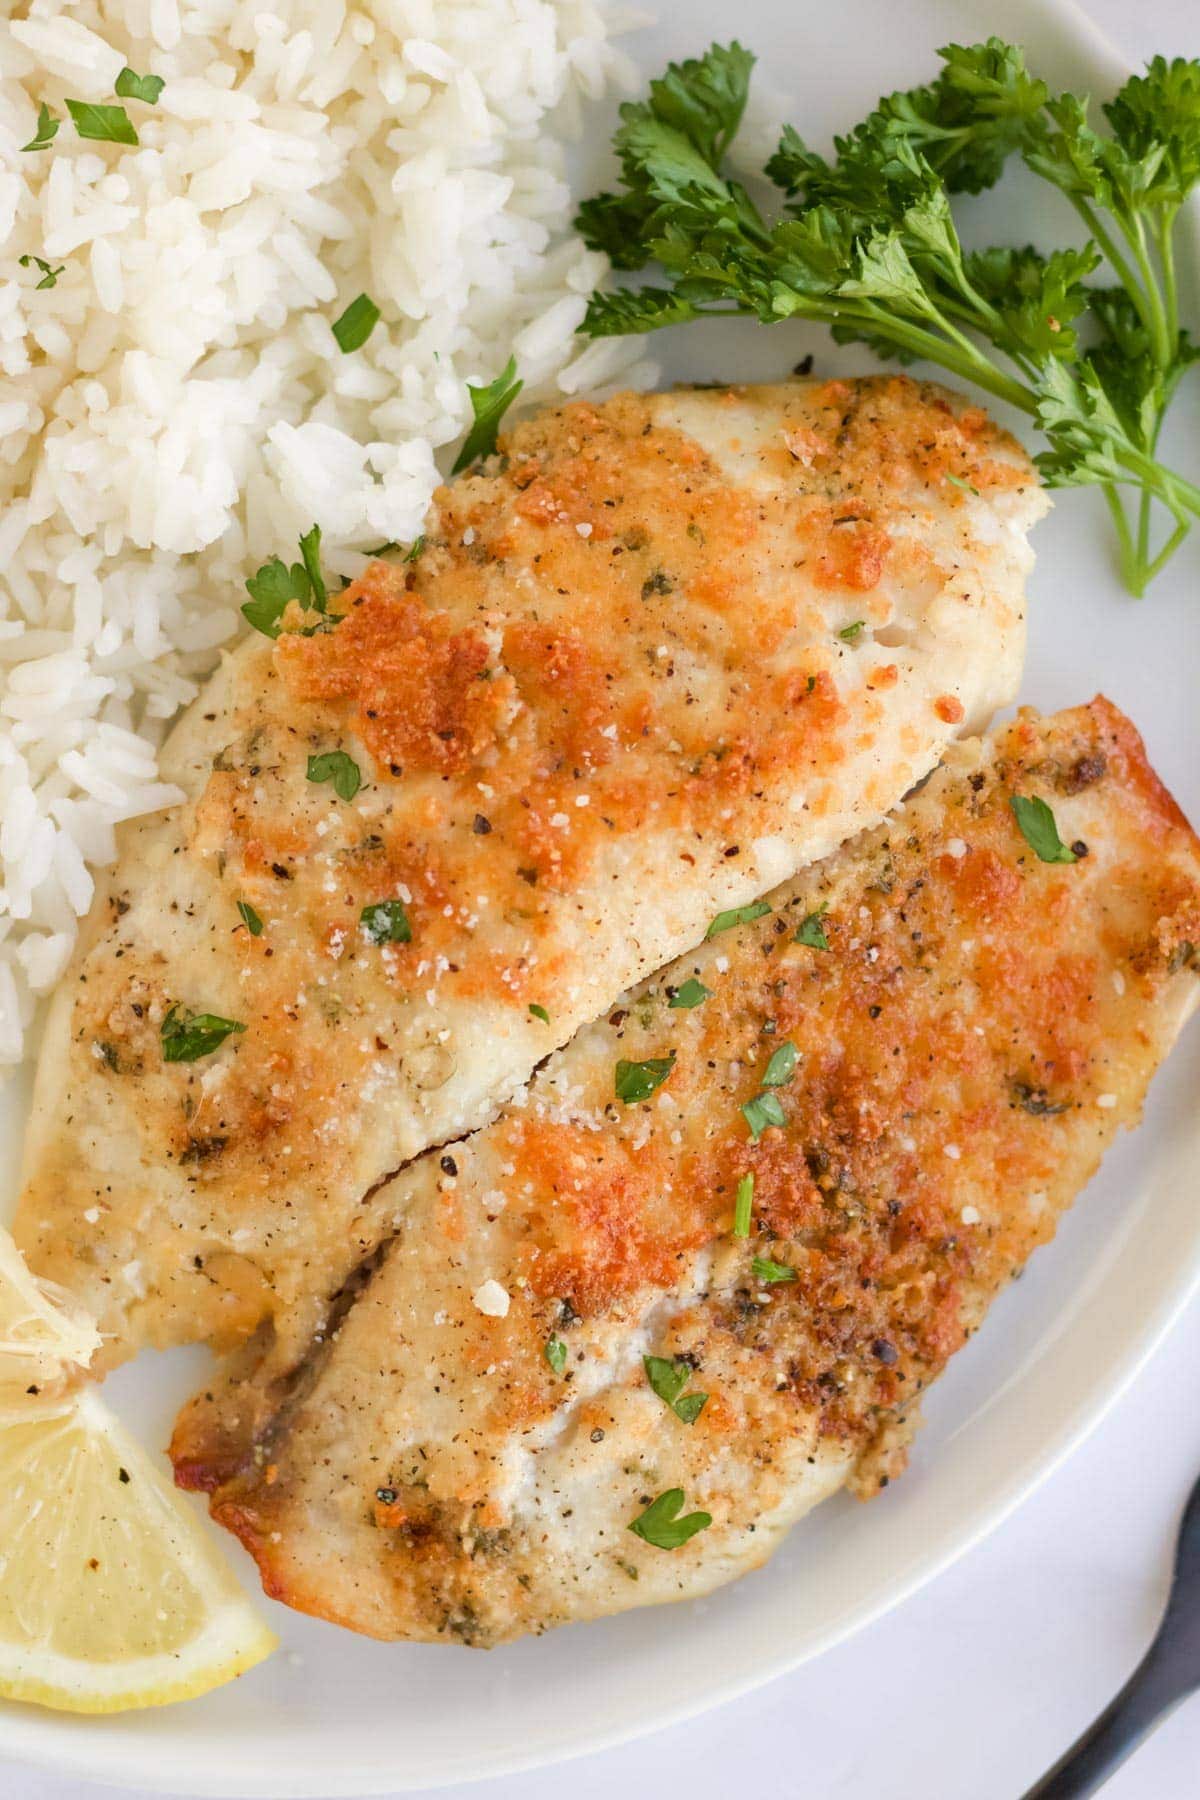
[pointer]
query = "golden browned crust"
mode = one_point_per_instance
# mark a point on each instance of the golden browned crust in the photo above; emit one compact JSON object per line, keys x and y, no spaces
{"x":611,"y":694}
{"x":978,"y":1028}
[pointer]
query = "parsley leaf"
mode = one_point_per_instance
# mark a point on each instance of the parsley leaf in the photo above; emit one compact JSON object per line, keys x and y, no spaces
{"x":811,"y":930}
{"x":539,"y":1012}
{"x":555,"y":1353}
{"x":187,"y":1036}
{"x":668,"y":1380}
{"x":634,"y":1081}
{"x":1036,"y":823}
{"x":661,"y":1526}
{"x":386,"y":922}
{"x":737,"y":915}
{"x":1156,"y":118}
{"x":761,"y":1112}
{"x":49,"y":275}
{"x":310,"y":552}
{"x":356,"y":324}
{"x":848,"y":633}
{"x":489,"y":405}
{"x":250,"y":919}
{"x":742,"y":1206}
{"x":782,"y":1066}
{"x":102,"y":124}
{"x":689,"y":993}
{"x":340,"y":769}
{"x":767,"y":1270}
{"x":139,"y":87}
{"x":672,"y":139}
{"x":275,"y":585}
{"x":270,"y":591}
{"x":47,"y":129}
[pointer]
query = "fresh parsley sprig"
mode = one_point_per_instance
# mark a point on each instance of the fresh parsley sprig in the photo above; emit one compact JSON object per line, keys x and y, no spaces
{"x":866,"y":242}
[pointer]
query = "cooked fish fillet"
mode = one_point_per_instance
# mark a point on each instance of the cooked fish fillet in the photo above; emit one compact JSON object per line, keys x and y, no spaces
{"x":662,"y":653}
{"x":952,"y":1030}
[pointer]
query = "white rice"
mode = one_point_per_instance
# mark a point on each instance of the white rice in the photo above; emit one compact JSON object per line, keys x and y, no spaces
{"x":176,"y":409}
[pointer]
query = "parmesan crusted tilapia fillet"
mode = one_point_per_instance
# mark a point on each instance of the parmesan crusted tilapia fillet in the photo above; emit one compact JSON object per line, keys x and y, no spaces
{"x":892,"y":1081}
{"x":660,"y":654}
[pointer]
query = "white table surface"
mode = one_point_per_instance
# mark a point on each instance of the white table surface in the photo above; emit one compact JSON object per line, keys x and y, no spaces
{"x":972,"y":1688}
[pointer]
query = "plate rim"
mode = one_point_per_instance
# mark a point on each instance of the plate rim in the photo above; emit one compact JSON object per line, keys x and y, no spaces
{"x":27,"y":1733}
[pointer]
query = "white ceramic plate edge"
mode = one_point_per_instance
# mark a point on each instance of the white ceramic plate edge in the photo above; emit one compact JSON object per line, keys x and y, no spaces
{"x":159,"y":1766}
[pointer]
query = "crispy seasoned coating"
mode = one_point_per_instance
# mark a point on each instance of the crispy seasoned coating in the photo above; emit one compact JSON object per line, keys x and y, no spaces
{"x":952,"y":1029}
{"x":651,"y":660}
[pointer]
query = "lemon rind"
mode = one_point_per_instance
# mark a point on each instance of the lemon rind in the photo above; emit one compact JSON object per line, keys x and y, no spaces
{"x":232,"y":1642}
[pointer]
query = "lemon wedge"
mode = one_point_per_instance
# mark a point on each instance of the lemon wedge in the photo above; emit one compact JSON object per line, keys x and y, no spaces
{"x":111,"y":1596}
{"x":43,"y":1334}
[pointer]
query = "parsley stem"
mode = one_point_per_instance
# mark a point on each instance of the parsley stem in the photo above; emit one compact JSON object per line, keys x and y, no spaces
{"x":1144,"y":293}
{"x":1165,"y":234}
{"x":1126,"y":553}
{"x":1143,"y":535}
{"x":957,"y":354}
{"x":1108,"y":244}
{"x":1164,"y":348}
{"x":1165,"y":554}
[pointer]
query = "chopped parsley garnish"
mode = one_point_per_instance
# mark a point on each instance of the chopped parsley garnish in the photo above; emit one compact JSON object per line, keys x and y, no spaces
{"x":102,"y":124}
{"x":743,"y":1206}
{"x":737,"y":915}
{"x":310,"y":551}
{"x":768,"y":1270}
{"x":1037,"y":827}
{"x":187,"y":1036}
{"x":47,"y":129}
{"x":668,"y":1379}
{"x":49,"y":275}
{"x":689,"y":993}
{"x":539,"y":1012}
{"x":270,"y":591}
{"x":762,"y":1111}
{"x":811,"y":929}
{"x":356,"y":324}
{"x":415,"y":548}
{"x":386,"y":922}
{"x":275,"y":585}
{"x":555,"y":1353}
{"x":661,"y":1526}
{"x":250,"y":919}
{"x":848,"y":633}
{"x":958,"y":482}
{"x":782,"y":1066}
{"x":489,"y":405}
{"x":636,"y":1081}
{"x":139,"y":87}
{"x":336,"y":766}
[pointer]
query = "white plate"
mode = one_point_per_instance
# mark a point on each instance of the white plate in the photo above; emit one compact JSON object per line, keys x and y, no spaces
{"x":333,"y":1714}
